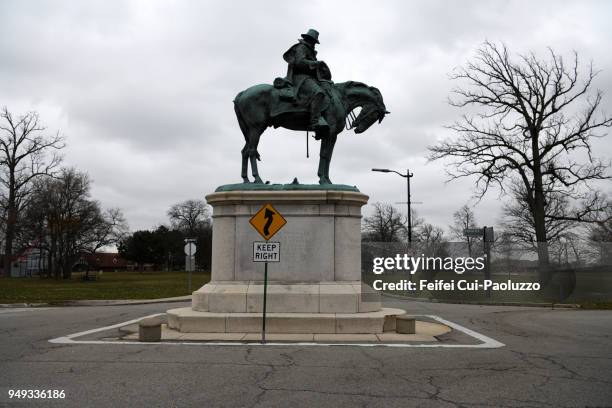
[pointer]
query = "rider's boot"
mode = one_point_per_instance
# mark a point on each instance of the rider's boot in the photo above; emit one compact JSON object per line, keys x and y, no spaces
{"x":317,"y":123}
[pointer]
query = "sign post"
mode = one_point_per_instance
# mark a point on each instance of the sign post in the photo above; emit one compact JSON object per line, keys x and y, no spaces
{"x":487,"y":238}
{"x":487,"y":234}
{"x":190,"y":250}
{"x":267,"y":222}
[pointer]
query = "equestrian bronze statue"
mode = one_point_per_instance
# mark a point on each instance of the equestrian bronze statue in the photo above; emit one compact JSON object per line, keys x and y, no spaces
{"x":306,"y":99}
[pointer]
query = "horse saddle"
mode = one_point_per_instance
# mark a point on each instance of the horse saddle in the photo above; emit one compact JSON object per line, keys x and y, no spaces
{"x":285,"y":101}
{"x":286,"y":90}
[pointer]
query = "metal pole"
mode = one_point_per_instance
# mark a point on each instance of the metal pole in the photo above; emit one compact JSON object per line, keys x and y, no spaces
{"x":190,"y":268}
{"x":263,"y":322}
{"x":486,"y":248}
{"x":408,"y":203}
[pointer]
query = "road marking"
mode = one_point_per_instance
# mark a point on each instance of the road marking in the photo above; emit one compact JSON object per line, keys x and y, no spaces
{"x":22,"y":309}
{"x":487,"y":342}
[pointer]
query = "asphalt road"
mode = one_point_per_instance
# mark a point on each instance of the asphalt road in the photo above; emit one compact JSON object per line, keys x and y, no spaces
{"x":556,"y":358}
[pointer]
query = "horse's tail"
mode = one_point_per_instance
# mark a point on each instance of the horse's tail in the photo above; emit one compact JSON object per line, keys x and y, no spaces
{"x":241,"y":122}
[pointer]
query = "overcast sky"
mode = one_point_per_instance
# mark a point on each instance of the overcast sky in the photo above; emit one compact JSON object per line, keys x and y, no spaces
{"x":143,"y":90}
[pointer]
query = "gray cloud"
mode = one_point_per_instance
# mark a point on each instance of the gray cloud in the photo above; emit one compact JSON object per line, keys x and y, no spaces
{"x":143,"y":90}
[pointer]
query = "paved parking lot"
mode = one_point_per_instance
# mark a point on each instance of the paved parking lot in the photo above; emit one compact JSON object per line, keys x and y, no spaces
{"x":553,"y":358}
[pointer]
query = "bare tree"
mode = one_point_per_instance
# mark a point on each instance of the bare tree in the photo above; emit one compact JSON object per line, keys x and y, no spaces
{"x":25,"y":154}
{"x":109,"y":229}
{"x":519,"y":224}
{"x":64,"y":221}
{"x":535,"y":121}
{"x":464,"y":218}
{"x":386,"y":224}
{"x":430,"y":239}
{"x":189,"y":216}
{"x":600,"y":238}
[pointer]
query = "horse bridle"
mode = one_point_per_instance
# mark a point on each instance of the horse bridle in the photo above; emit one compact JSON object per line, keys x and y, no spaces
{"x":350,"y":120}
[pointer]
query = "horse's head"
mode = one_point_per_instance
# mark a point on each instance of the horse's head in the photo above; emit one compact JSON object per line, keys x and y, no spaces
{"x":371,"y":111}
{"x":369,"y":114}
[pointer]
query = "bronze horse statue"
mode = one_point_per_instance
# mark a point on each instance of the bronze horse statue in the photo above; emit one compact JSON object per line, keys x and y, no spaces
{"x":262,"y":106}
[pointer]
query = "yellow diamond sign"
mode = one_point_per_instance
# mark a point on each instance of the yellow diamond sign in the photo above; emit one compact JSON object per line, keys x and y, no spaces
{"x":267,"y":221}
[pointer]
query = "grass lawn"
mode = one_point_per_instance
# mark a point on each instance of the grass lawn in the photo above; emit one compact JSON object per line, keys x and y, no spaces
{"x":110,"y":285}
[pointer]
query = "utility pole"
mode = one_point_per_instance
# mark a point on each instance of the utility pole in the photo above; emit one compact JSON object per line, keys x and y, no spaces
{"x":407,"y":176}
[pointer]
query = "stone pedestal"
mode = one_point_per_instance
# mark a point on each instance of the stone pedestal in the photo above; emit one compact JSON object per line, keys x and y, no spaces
{"x":317,"y":282}
{"x":320,"y":243}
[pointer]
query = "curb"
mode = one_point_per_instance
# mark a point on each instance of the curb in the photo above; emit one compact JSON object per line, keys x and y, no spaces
{"x":20,"y":305}
{"x":102,"y":302}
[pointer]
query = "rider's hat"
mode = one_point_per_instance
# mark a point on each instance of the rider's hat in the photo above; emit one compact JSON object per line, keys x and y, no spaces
{"x":313,"y":34}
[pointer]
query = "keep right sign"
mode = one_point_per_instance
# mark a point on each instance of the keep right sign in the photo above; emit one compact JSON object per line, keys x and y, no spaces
{"x":266,"y":251}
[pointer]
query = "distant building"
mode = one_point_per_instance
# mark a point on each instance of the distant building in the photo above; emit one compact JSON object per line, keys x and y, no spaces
{"x":102,"y":261}
{"x":29,"y":262}
{"x":32,"y":261}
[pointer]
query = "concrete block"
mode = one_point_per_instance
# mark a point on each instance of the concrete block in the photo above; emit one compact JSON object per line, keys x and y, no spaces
{"x":390,"y":323}
{"x":405,"y":325}
{"x":149,"y":329}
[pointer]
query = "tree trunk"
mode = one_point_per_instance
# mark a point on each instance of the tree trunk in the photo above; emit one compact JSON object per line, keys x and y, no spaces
{"x":8,"y":247}
{"x":11,"y":220}
{"x":539,"y":217}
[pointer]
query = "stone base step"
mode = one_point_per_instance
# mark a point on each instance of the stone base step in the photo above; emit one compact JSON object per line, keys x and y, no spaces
{"x":187,"y":320}
{"x":321,"y":297}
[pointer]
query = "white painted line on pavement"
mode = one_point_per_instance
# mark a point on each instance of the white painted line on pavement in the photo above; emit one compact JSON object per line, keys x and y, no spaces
{"x":22,"y":309}
{"x":487,"y":342}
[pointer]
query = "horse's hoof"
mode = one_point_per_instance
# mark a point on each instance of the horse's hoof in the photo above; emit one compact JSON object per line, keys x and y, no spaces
{"x":245,"y":181}
{"x":258,"y":180}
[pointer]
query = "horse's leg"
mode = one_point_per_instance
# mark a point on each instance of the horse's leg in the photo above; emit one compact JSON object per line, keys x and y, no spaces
{"x":330,"y":150}
{"x":244,"y":128}
{"x":322,"y":161}
{"x":245,"y":163}
{"x":254,"y":154}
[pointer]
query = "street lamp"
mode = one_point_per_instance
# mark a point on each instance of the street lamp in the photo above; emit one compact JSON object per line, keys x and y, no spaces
{"x":407,"y":177}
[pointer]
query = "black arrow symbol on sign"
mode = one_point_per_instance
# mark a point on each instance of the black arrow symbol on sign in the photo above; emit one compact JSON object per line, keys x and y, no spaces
{"x":268,"y":215}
